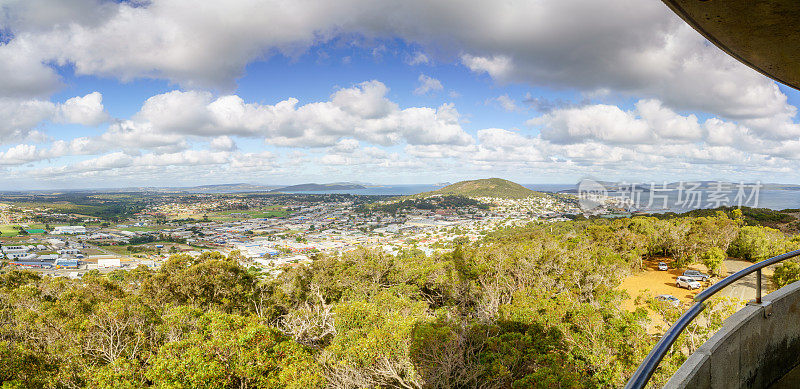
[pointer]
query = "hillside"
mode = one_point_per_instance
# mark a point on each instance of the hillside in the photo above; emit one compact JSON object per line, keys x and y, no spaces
{"x":487,"y":187}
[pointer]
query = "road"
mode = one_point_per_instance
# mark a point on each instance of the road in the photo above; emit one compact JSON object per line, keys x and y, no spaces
{"x":745,"y":289}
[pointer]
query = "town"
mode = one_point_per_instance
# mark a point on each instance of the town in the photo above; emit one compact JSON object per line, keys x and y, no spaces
{"x":269,"y":231}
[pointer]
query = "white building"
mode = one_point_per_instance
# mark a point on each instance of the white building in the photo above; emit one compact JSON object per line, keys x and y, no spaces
{"x":108,"y":262}
{"x":56,"y":243}
{"x":23,"y":256}
{"x":15,"y":249}
{"x":72,"y":230}
{"x":256,"y":249}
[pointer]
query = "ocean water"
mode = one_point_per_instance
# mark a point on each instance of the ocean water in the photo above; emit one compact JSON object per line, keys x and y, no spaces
{"x":550,"y":187}
{"x":777,"y":199}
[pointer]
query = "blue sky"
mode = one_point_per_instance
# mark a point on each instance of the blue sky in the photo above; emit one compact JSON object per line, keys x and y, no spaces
{"x":168,"y":93}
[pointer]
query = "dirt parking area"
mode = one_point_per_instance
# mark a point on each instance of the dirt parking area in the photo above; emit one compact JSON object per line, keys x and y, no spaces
{"x":653,"y":282}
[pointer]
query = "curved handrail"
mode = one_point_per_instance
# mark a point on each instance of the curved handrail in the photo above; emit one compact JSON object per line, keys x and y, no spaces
{"x":650,"y":363}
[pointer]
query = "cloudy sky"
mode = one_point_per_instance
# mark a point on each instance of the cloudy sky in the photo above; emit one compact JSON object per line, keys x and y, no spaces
{"x":179,"y":92}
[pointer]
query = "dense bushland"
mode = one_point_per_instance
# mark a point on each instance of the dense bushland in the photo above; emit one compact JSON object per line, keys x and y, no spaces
{"x":535,"y":306}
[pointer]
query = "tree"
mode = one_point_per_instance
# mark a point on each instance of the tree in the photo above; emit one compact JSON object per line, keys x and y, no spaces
{"x":525,"y":306}
{"x":714,"y":259}
{"x":786,"y":273}
{"x":22,"y":367}
{"x":372,"y":343}
{"x":211,"y":281}
{"x":231,"y":351}
{"x":122,"y":328}
{"x":311,"y":324}
{"x":509,"y":354}
{"x":756,"y":243}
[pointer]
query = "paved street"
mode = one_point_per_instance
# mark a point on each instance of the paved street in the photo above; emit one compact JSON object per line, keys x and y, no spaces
{"x":745,"y":289}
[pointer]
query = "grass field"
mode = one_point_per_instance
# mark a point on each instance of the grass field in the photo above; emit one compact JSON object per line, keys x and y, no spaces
{"x":264,"y":213}
{"x":121,"y":250}
{"x":61,"y":206}
{"x":8,"y":230}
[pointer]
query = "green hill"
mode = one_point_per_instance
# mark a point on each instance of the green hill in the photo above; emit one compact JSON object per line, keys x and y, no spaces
{"x":487,"y":187}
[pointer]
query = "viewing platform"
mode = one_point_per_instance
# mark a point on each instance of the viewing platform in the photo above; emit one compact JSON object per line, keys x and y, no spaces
{"x":757,"y":347}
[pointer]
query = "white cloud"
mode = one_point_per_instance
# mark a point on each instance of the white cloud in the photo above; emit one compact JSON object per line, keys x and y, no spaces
{"x":497,"y":145}
{"x":349,"y":152}
{"x":42,"y":15}
{"x":497,"y":66}
{"x":438,"y":151}
{"x":560,"y":43}
{"x":335,"y":159}
{"x":173,"y":39}
{"x":77,"y":146}
{"x":650,"y":122}
{"x":368,"y":100}
{"x":22,"y":73}
{"x":253,"y":162}
{"x":178,"y":112}
{"x":505,"y":102}
{"x":362,"y":112}
{"x":583,"y":45}
{"x":187,"y":157}
{"x":169,"y":127}
{"x":133,"y":135}
{"x":427,"y":84}
{"x":346,"y":146}
{"x":223,"y":143}
{"x":666,"y":124}
{"x":18,"y":117}
{"x":20,"y":154}
{"x":722,"y":133}
{"x":87,"y":110}
{"x":600,"y":122}
{"x":104,"y":162}
{"x":418,"y":58}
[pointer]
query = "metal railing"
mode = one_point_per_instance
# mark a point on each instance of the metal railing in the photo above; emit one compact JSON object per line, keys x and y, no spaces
{"x":650,"y":363}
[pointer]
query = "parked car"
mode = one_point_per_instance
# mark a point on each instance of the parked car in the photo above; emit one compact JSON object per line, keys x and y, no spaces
{"x":663,"y":266}
{"x":687,"y":282}
{"x":668,"y":298}
{"x":695,"y":275}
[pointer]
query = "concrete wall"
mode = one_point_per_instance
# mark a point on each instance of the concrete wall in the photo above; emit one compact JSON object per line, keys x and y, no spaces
{"x":755,"y":347}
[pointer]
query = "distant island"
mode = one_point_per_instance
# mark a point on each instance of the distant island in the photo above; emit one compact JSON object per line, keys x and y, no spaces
{"x":319,"y":187}
{"x":225,"y":188}
{"x":487,"y":187}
